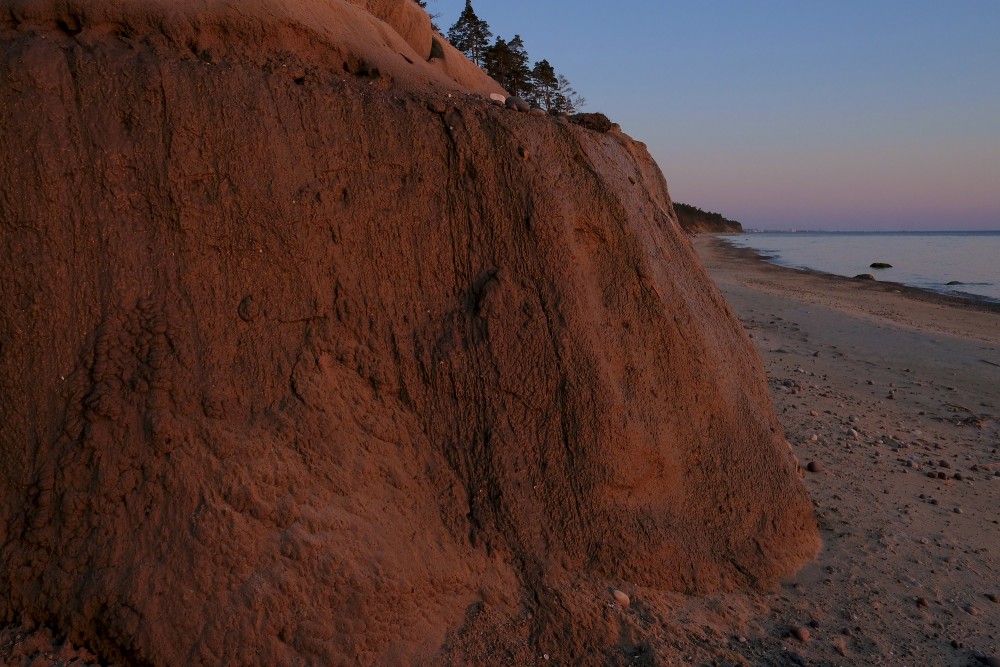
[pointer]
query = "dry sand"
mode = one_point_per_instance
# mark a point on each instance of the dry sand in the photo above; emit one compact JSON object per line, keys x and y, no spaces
{"x":893,"y":394}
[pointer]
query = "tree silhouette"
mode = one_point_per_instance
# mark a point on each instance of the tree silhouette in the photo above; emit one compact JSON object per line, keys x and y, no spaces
{"x":470,"y":34}
{"x":497,"y":61}
{"x":519,"y":74}
{"x":565,"y":99}
{"x":544,"y":85}
{"x":507,"y":63}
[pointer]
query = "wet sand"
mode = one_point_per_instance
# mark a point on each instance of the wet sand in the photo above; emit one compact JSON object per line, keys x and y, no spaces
{"x":892,"y":396}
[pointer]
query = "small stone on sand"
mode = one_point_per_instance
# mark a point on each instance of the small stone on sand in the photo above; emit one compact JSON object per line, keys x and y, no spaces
{"x":800,"y":633}
{"x":814,"y":466}
{"x":621,"y":598}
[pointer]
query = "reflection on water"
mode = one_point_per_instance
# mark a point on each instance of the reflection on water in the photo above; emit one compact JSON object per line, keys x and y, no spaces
{"x":957,"y":263}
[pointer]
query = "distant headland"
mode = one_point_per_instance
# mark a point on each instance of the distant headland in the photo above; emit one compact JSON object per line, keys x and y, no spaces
{"x":696,"y":221}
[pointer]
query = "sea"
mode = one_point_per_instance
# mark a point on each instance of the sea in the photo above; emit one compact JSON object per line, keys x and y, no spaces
{"x":964,"y":264}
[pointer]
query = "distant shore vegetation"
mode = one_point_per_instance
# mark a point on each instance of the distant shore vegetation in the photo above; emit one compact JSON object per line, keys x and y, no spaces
{"x":507,"y":62}
{"x":695,"y":220}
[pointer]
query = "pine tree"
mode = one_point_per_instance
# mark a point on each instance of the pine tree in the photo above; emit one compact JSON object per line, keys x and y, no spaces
{"x":544,"y":85}
{"x":497,"y":61}
{"x":519,"y":74}
{"x":470,"y":34}
{"x":507,"y":63}
{"x":565,"y":99}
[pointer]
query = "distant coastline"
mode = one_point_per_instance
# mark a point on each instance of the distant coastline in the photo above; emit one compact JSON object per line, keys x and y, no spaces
{"x":877,"y":232}
{"x":693,"y":220}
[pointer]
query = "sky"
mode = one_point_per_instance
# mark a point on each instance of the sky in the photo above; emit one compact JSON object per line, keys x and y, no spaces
{"x":791,"y":114}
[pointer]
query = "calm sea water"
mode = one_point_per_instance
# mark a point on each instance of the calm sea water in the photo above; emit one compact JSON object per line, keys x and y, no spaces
{"x":929,"y":260}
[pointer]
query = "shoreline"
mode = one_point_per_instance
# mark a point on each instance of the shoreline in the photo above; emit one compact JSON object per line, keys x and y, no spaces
{"x":885,"y":302}
{"x":890,"y":399}
{"x":971,"y":301}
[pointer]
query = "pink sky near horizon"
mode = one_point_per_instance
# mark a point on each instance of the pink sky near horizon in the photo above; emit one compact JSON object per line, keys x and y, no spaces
{"x":854,"y":115}
{"x":857,"y":188}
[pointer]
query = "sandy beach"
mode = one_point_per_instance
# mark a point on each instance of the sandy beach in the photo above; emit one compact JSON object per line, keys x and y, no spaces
{"x":889,"y":397}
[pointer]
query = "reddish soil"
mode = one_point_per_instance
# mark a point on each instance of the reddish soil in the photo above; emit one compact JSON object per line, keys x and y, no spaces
{"x":308,"y":354}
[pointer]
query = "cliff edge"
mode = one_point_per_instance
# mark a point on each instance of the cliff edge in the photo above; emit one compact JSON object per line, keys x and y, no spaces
{"x":310,"y":355}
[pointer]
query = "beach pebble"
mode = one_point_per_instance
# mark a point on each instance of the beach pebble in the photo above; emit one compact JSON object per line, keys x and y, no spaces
{"x":922,"y":602}
{"x":958,"y":510}
{"x":801,"y":633}
{"x":992,"y":597}
{"x":517,"y":104}
{"x":621,"y":598}
{"x":970,"y":610}
{"x":537,"y":111}
{"x":813,"y":413}
{"x":944,"y":464}
{"x":814,"y":466}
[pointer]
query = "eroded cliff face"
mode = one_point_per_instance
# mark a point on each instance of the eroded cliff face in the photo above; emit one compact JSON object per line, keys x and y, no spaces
{"x":308,"y":355}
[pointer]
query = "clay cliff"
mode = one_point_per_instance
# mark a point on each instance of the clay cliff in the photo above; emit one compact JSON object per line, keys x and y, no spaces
{"x":309,"y":355}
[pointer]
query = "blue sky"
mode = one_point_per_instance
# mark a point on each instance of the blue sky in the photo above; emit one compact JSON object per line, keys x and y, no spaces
{"x":791,"y":114}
